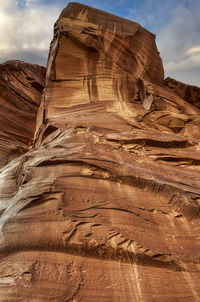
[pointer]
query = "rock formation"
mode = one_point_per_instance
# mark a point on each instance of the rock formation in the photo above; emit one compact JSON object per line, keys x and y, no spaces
{"x":189,"y":93}
{"x":106,"y":204}
{"x":21,"y":85}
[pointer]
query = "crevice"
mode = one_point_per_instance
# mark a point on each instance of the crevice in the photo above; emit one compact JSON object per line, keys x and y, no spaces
{"x":153,"y":143}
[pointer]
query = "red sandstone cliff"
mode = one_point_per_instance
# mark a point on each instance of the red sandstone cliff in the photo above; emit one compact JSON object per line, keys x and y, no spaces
{"x":106,"y":205}
{"x":189,"y":93}
{"x":21,"y":86}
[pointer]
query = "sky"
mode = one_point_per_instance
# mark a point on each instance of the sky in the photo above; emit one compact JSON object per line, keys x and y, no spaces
{"x":26,"y":29}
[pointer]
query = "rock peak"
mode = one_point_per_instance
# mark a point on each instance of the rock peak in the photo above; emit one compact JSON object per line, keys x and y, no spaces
{"x":76,"y":9}
{"x":99,"y":58}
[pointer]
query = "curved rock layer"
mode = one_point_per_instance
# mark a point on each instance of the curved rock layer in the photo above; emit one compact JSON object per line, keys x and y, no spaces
{"x":21,"y":86}
{"x":189,"y":93}
{"x":106,"y":205}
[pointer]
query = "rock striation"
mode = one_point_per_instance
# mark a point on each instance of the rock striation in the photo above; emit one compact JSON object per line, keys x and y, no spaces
{"x":21,"y":86}
{"x":189,"y":93}
{"x":106,"y":204}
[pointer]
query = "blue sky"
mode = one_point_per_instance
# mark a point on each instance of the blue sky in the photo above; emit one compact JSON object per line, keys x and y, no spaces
{"x":26,"y":28}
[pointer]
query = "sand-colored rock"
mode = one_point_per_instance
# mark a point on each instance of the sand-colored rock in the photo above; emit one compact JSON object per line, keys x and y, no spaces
{"x":21,"y":86}
{"x":106,"y":205}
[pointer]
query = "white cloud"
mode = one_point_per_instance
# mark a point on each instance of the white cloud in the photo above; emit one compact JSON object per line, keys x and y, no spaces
{"x":185,"y":63}
{"x":177,"y":28}
{"x":190,"y":60}
{"x":26,"y":31}
{"x":193,"y":50}
{"x":179,"y":43}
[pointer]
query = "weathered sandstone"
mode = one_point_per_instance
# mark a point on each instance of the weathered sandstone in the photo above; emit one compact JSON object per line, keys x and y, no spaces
{"x":21,"y":86}
{"x":106,"y":204}
{"x":187,"y":92}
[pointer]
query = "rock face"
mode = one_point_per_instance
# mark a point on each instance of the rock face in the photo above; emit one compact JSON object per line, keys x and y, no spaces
{"x":189,"y":93}
{"x":21,"y":86}
{"x":106,"y":205}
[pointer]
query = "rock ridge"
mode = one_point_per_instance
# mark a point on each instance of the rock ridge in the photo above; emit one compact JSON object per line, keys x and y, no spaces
{"x":21,"y":86}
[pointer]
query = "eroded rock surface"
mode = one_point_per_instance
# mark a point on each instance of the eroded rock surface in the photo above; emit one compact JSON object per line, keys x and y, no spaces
{"x":106,"y":205}
{"x":187,"y":92}
{"x":21,"y":86}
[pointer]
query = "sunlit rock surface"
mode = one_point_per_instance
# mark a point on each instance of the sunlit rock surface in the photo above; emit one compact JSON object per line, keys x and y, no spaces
{"x":106,"y":205}
{"x":21,"y":86}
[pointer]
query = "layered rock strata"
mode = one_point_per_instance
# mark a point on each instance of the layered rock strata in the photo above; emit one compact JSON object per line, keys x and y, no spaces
{"x":187,"y":92}
{"x":106,"y":205}
{"x":21,"y":86}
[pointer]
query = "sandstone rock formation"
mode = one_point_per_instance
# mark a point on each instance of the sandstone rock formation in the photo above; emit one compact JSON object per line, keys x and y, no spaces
{"x":189,"y":93}
{"x":21,"y":85}
{"x":106,"y":204}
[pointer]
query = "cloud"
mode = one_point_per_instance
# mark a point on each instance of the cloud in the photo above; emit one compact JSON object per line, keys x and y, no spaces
{"x":185,"y":63}
{"x":177,"y":28}
{"x":179,"y":43}
{"x":193,"y":50}
{"x":26,"y":29}
{"x":151,"y":14}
